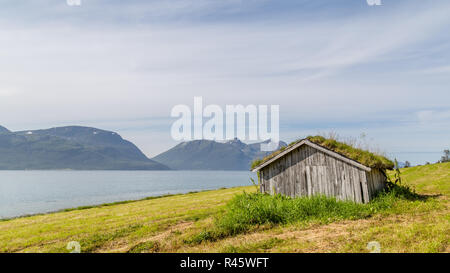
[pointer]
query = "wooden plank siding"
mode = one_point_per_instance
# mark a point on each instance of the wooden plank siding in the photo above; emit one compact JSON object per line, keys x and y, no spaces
{"x":306,"y":171}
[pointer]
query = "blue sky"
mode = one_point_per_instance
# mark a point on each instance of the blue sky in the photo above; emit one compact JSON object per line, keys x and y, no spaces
{"x":337,"y":65}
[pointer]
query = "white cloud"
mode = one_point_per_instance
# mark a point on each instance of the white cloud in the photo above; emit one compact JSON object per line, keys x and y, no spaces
{"x":428,"y":116}
{"x":4,"y":92}
{"x":445,"y":69}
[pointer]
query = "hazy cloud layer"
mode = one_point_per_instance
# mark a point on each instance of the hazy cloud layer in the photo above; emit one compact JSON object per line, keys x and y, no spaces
{"x":330,"y":65}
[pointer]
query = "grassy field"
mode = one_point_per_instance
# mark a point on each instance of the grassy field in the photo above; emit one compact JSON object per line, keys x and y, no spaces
{"x":169,"y":224}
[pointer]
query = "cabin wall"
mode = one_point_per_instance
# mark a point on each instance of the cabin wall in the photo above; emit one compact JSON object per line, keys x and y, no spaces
{"x":306,"y":171}
{"x":376,"y":181}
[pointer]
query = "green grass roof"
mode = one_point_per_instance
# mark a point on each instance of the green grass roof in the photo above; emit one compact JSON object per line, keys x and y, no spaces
{"x":362,"y":156}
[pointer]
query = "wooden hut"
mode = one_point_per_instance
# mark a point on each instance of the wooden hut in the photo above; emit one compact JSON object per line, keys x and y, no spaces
{"x":306,"y":169}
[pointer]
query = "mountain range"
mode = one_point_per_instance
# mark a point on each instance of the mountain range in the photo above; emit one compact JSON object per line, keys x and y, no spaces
{"x":72,"y":147}
{"x":212,"y":155}
{"x":86,"y":148}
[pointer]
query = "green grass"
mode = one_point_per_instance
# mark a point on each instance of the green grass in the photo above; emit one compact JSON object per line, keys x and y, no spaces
{"x":149,"y":246}
{"x":433,"y":179}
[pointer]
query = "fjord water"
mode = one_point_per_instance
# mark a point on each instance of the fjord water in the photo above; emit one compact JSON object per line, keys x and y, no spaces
{"x":32,"y":192}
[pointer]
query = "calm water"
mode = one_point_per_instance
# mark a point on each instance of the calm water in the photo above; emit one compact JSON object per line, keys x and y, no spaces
{"x":31,"y":192}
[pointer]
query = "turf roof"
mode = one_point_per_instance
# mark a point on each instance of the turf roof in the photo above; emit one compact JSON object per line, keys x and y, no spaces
{"x":364,"y":157}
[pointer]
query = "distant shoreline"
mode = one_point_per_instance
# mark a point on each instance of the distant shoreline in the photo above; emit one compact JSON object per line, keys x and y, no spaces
{"x":113,"y":203}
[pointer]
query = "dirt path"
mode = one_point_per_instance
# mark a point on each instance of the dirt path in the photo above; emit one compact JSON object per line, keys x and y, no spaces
{"x":124,"y":245}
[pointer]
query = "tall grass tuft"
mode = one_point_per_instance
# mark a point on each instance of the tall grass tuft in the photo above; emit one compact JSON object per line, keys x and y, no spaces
{"x":247,"y":210}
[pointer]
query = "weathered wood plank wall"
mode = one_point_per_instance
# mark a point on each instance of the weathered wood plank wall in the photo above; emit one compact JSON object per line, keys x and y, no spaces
{"x":307,"y":171}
